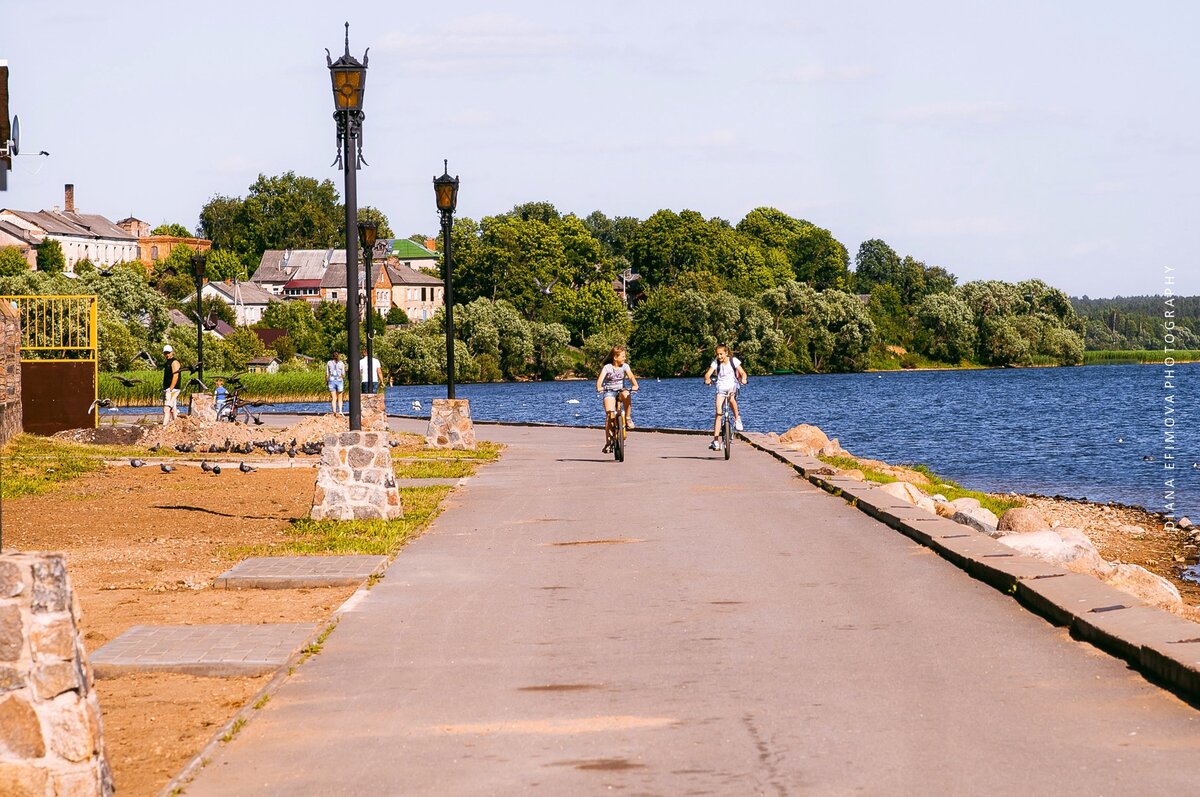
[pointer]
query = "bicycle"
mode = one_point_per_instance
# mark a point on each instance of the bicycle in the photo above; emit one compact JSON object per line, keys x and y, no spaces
{"x":235,"y":404}
{"x":726,"y":436}
{"x":615,"y":431}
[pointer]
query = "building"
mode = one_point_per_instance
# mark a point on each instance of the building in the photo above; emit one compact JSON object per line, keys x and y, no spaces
{"x":418,"y":294}
{"x":404,"y":252}
{"x":82,"y":236}
{"x":333,"y":284}
{"x":23,"y":239}
{"x":248,"y":300}
{"x":153,"y":248}
{"x":263,"y":365}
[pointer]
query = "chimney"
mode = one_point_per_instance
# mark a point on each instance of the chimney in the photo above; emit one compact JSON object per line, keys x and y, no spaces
{"x":69,"y":198}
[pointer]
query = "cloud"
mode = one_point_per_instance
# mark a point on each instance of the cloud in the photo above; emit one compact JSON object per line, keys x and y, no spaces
{"x":1088,"y":248}
{"x":985,"y":113}
{"x":478,"y":43}
{"x":471,"y":118}
{"x":1108,"y":187}
{"x":950,"y":226}
{"x":816,"y":74}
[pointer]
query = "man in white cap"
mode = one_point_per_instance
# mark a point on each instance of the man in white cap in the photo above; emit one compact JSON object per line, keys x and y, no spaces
{"x":171,"y":379}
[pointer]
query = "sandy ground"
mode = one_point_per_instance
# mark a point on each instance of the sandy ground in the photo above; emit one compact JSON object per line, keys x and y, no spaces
{"x":143,"y":547}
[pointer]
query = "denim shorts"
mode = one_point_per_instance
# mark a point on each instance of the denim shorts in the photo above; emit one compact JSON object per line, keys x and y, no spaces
{"x":335,"y":386}
{"x":612,"y":393}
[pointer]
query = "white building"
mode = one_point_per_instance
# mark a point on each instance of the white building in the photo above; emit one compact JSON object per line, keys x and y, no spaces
{"x":82,"y":236}
{"x":248,"y":300}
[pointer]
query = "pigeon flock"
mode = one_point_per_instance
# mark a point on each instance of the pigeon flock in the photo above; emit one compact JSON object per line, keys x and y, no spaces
{"x":291,"y":448}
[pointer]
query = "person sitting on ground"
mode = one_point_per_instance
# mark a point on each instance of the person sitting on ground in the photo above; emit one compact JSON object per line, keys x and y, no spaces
{"x":335,"y":380}
{"x":611,"y":382}
{"x":729,"y":373}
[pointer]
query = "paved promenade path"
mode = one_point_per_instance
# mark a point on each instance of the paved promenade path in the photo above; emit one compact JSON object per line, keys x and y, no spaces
{"x":677,"y":625}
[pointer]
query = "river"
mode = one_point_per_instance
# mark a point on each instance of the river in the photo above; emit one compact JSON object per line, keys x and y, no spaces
{"x":1096,"y":432}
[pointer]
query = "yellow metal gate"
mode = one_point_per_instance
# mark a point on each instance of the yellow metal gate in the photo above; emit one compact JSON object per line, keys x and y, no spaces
{"x":58,"y":361}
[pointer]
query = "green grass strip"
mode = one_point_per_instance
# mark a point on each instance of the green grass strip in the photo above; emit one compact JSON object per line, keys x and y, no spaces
{"x":434,"y":469}
{"x":375,"y":537}
{"x":32,"y":465}
{"x":950,"y":490}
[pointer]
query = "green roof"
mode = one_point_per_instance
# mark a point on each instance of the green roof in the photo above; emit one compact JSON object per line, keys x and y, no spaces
{"x":409,"y":250}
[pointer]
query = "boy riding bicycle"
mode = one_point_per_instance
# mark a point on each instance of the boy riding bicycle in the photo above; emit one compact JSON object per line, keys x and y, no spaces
{"x":729,"y":374}
{"x":611,"y":383}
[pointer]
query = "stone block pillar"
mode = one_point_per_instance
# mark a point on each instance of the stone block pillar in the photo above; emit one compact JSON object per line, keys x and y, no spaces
{"x":374,"y":413}
{"x":50,"y":734}
{"x":355,"y":480}
{"x":204,"y":407}
{"x":10,"y":372}
{"x":450,"y":425}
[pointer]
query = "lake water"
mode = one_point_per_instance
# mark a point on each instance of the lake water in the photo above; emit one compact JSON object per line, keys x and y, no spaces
{"x":1081,"y":432}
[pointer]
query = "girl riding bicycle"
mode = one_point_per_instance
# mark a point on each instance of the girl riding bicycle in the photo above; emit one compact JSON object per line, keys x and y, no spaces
{"x":611,"y":383}
{"x":729,"y":374}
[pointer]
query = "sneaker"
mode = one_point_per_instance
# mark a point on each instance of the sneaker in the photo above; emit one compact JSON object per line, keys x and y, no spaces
{"x":607,"y":449}
{"x":629,"y":423}
{"x":715,"y":445}
{"x":737,"y":424}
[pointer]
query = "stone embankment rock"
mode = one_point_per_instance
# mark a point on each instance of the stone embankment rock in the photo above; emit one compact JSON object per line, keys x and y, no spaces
{"x":1022,"y":519}
{"x":808,"y":440}
{"x":977,"y":518}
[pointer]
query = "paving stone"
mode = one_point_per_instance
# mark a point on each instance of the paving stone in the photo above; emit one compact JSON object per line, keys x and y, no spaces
{"x":293,"y":572}
{"x":220,"y":650}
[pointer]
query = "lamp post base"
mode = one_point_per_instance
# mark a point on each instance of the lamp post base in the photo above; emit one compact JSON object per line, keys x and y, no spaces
{"x":355,"y":480}
{"x":204,"y":407}
{"x":450,"y":425}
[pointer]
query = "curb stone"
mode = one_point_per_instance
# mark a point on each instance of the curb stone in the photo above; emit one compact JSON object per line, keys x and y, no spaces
{"x":1162,"y":646}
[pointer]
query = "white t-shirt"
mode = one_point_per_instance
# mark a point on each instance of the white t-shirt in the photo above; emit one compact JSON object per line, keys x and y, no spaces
{"x":727,"y":378}
{"x":374,"y":374}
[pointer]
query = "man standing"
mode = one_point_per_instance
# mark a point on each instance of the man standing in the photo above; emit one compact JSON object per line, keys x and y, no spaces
{"x":171,"y":374}
{"x":375,"y":373}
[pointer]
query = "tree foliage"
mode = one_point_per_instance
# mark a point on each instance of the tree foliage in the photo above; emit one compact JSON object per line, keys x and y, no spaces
{"x":173,"y":229}
{"x":12,"y":261}
{"x":50,"y":258}
{"x":287,"y":211}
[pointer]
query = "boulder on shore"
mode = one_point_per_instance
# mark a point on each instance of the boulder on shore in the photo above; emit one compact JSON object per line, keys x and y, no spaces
{"x":1142,"y":584}
{"x":965,"y":502}
{"x":977,"y":518}
{"x":1069,"y":548}
{"x":1022,"y":519}
{"x":906,"y":492}
{"x":805,"y":438}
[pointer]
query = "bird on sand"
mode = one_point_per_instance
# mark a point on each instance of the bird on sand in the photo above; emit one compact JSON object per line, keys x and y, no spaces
{"x":165,"y":468}
{"x":137,"y":463}
{"x":216,"y":470}
{"x":244,"y":468}
{"x":204,"y":466}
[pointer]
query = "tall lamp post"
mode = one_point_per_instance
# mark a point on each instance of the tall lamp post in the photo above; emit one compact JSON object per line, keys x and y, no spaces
{"x":199,"y":271}
{"x":368,"y":231}
{"x":349,"y":81}
{"x":445,"y":189}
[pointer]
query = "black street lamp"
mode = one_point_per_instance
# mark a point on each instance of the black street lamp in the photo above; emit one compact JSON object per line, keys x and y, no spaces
{"x":199,"y":271}
{"x":368,"y":231}
{"x":445,"y":188}
{"x":349,"y":81}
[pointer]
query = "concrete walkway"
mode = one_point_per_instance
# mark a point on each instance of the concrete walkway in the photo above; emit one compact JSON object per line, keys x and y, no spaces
{"x":678,"y":624}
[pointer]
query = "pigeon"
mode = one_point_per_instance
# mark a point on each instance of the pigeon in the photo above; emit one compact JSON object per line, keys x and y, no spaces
{"x":154,"y":447}
{"x":257,"y":420}
{"x":216,"y":470}
{"x":244,"y":468}
{"x":107,"y":272}
{"x":204,"y":466}
{"x":165,"y":468}
{"x":127,"y":382}
{"x":137,"y":463}
{"x":545,"y":288}
{"x":291,"y":452}
{"x":105,"y":403}
{"x":416,"y":405}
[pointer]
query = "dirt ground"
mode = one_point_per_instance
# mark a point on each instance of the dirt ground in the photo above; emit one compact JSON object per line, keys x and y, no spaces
{"x":143,"y":548}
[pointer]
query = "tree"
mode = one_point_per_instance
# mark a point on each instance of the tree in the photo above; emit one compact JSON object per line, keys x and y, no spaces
{"x":613,"y":234}
{"x":875,"y":264}
{"x":50,"y":257}
{"x":225,"y":265}
{"x":945,"y":328}
{"x":241,"y":346}
{"x":301,"y":325}
{"x":173,"y":275}
{"x":889,"y":314}
{"x":12,"y":261}
{"x":384,"y":230}
{"x":820,"y":259}
{"x":221,"y":223}
{"x":494,"y":329}
{"x":550,"y":342}
{"x":172,"y":229}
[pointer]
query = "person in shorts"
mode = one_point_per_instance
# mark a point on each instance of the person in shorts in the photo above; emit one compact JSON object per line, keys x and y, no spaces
{"x":335,"y":380}
{"x":729,"y":373}
{"x":612,"y":381}
{"x":172,"y":373}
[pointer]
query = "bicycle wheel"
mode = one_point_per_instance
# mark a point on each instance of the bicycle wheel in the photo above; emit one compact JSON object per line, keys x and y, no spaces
{"x":727,"y":434}
{"x":619,"y":438}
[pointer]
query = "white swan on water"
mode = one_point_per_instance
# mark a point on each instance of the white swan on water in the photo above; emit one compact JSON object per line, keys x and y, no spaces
{"x":572,"y":401}
{"x":416,"y":405}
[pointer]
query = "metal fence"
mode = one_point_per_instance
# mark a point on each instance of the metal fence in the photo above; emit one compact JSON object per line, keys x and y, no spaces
{"x":57,"y":328}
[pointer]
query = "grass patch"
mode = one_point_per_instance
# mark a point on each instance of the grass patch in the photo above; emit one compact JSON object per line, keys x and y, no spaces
{"x":434,"y":469}
{"x":262,"y":701}
{"x":951,"y":490}
{"x":233,"y":731}
{"x":32,"y":465}
{"x":375,"y":537}
{"x":485,"y":451}
{"x":1116,"y":357}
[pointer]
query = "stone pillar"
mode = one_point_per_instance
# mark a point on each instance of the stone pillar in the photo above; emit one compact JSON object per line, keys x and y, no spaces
{"x":450,"y":425}
{"x":51,"y":741}
{"x":10,"y":372}
{"x":374,"y":413}
{"x":204,"y":407}
{"x":355,"y":480}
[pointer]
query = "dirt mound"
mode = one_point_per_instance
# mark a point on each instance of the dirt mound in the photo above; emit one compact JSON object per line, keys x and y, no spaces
{"x":105,"y":435}
{"x":213,"y":433}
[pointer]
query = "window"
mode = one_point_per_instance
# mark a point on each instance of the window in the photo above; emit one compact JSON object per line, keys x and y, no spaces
{"x":333,"y":296}
{"x":154,"y":253}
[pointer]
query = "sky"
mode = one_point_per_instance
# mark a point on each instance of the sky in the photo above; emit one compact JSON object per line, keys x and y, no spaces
{"x":999,"y":140}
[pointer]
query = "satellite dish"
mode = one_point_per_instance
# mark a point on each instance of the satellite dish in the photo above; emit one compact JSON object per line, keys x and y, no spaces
{"x":16,"y":137}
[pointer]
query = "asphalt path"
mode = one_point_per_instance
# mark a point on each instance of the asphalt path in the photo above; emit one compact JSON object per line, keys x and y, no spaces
{"x":681,"y":625}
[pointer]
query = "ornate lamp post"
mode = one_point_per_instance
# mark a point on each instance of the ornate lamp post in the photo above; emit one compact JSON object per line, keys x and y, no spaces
{"x":445,"y":189}
{"x":368,"y":231}
{"x":349,"y":80}
{"x":199,"y":271}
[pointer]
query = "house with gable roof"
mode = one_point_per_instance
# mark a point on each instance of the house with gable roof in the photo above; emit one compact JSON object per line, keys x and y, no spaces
{"x":82,"y":236}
